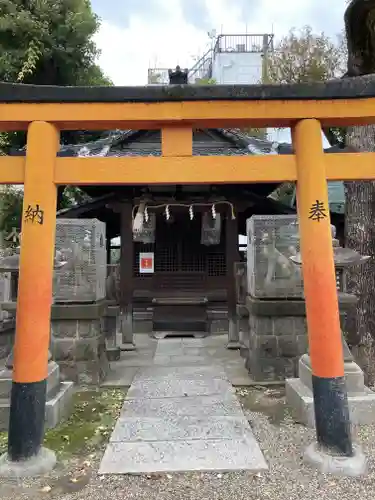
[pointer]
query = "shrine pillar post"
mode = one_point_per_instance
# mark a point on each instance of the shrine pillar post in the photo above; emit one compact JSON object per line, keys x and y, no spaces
{"x":30,"y":371}
{"x":325,"y":344}
{"x":108,"y":245}
{"x":126,"y":277}
{"x":232,"y":256}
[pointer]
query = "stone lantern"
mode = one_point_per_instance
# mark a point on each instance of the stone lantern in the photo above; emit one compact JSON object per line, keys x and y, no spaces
{"x":299,"y":390}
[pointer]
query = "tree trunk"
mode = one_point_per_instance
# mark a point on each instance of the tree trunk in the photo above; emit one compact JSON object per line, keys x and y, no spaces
{"x":360,"y":236}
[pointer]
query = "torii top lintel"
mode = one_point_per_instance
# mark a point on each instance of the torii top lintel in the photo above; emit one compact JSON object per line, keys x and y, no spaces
{"x":341,"y":102}
{"x":346,"y":88}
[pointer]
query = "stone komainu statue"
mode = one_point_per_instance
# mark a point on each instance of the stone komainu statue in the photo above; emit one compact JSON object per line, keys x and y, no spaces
{"x":360,"y":34}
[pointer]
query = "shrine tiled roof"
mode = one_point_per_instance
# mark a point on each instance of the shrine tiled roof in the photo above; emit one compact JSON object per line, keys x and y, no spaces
{"x":197,"y":151}
{"x":217,"y":142}
{"x":233,"y":143}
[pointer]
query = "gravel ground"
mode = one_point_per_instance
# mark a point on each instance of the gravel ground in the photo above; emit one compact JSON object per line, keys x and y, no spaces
{"x":281,"y":440}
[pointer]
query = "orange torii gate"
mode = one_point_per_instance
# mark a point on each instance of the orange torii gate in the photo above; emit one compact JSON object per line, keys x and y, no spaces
{"x":45,"y":111}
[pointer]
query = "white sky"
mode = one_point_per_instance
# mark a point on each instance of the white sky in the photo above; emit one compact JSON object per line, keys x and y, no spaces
{"x":137,"y":34}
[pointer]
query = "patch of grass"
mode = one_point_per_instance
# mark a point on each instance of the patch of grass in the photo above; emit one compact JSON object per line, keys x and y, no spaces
{"x":3,"y":442}
{"x":93,"y":418}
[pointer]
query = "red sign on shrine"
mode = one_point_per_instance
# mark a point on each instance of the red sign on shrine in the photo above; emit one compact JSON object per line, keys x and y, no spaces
{"x":146,"y":262}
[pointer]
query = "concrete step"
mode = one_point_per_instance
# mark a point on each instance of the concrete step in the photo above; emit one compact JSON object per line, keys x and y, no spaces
{"x":179,"y":324}
{"x":162,"y":334}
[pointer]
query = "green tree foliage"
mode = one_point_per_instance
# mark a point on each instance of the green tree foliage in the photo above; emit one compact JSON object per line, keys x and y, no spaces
{"x":73,"y":195}
{"x":205,"y":81}
{"x":11,"y":199}
{"x":303,"y":56}
{"x":49,"y":42}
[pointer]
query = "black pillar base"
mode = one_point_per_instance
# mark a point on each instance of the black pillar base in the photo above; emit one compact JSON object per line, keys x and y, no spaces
{"x":332,"y":415}
{"x":26,"y":421}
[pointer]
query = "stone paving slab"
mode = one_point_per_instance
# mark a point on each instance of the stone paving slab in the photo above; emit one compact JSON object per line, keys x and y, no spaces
{"x":180,"y":372}
{"x":181,"y":360}
{"x":228,"y":358}
{"x":170,"y":349}
{"x":219,"y":455}
{"x":120,"y":375}
{"x":173,"y":388}
{"x":239,"y":376}
{"x":180,"y":428}
{"x":182,"y":414}
{"x":198,"y":406}
{"x":211,"y":341}
{"x":144,"y":339}
{"x":189,"y":342}
{"x":173,"y":340}
{"x":236,"y":374}
{"x":131,"y":359}
{"x":216,"y":354}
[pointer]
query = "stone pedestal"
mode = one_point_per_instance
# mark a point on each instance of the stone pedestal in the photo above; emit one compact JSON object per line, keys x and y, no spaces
{"x":59,"y":397}
{"x":299,"y":394}
{"x":277,"y":336}
{"x":79,"y":342}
